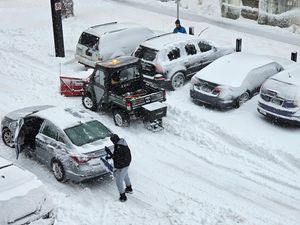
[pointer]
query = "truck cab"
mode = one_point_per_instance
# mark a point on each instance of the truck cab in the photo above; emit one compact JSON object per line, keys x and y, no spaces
{"x":118,"y":86}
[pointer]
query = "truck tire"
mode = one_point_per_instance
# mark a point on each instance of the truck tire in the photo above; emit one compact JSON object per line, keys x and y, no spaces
{"x":88,"y":102}
{"x":121,"y":118}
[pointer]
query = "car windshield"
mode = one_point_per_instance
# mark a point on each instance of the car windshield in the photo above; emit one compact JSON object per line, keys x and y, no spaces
{"x":87,"y":132}
{"x":147,"y":54}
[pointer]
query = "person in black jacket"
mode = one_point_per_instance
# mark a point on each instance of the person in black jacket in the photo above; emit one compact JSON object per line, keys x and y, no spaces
{"x":121,"y":158}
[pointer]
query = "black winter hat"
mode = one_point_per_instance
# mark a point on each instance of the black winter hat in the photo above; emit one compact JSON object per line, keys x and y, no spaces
{"x":177,"y":21}
{"x":114,"y":138}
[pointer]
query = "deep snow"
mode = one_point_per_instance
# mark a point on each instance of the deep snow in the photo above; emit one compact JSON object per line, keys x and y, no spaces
{"x":207,"y":167}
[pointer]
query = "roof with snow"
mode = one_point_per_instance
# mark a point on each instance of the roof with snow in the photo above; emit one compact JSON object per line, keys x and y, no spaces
{"x":112,"y":27}
{"x":232,"y":69}
{"x":290,"y":76}
{"x":65,"y":117}
{"x":164,"y":40}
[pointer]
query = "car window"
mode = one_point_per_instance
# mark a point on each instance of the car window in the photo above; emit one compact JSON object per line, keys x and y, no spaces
{"x":85,"y":133}
{"x":88,"y":40}
{"x":174,"y":54}
{"x":190,"y":49}
{"x":60,"y":138}
{"x":147,"y":54}
{"x":99,"y":77}
{"x":49,"y":131}
{"x":204,"y":47}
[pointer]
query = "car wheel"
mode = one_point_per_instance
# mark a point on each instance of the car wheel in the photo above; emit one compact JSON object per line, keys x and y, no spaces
{"x":7,"y":137}
{"x":88,"y":102}
{"x":58,"y":171}
{"x":121,"y":118}
{"x":177,"y":80}
{"x":242,"y":99}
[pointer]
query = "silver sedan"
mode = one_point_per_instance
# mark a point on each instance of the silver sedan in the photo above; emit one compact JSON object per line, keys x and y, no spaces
{"x":69,"y":141}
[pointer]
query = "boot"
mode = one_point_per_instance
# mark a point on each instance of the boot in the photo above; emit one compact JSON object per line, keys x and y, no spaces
{"x":128,"y":189}
{"x":123,"y":197}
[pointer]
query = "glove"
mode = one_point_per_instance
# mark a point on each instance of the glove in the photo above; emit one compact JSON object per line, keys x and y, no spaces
{"x":107,"y":157}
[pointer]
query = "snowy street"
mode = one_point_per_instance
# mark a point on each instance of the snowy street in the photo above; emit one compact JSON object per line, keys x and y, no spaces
{"x":206,"y":167}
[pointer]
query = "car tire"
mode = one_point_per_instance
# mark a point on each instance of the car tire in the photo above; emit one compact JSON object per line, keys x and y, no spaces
{"x":242,"y":99}
{"x":121,"y":118}
{"x":88,"y":102}
{"x":7,"y":137}
{"x":177,"y":80}
{"x":58,"y":170}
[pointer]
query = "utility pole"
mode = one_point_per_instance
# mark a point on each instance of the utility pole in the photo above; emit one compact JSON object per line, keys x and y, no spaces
{"x":56,"y":7}
{"x":178,"y":2}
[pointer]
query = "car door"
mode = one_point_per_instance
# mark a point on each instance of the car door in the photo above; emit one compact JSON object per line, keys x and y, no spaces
{"x":192,"y":61}
{"x":47,"y":144}
{"x":18,"y":138}
{"x":98,"y":85}
{"x":208,"y":53}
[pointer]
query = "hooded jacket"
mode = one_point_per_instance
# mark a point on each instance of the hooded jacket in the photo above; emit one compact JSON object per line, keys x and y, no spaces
{"x":121,"y":155}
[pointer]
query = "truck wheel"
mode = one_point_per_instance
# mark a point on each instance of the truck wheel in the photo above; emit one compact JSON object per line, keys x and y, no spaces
{"x":177,"y":80}
{"x":121,"y":118}
{"x":88,"y":102}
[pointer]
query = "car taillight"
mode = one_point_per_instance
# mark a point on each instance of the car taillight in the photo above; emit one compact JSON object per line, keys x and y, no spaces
{"x":159,"y":68}
{"x":195,"y":81}
{"x":159,"y":77}
{"x":80,"y":159}
{"x":129,"y":105}
{"x":217,"y":90}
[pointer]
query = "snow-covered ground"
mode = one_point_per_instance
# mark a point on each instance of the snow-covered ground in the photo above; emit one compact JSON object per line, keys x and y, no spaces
{"x":207,"y":167}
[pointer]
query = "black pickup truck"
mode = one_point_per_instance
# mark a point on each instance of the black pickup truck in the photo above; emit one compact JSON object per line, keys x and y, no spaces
{"x":118,"y":86}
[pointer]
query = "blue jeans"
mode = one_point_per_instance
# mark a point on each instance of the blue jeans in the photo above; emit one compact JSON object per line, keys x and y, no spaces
{"x":121,"y":176}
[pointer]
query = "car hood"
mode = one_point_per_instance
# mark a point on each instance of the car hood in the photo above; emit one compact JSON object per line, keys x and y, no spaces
{"x":15,"y":115}
{"x":19,"y":188}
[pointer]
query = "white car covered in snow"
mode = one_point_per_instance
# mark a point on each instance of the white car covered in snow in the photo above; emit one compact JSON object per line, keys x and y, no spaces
{"x":23,"y":197}
{"x":169,"y":59}
{"x":232,"y":80}
{"x":106,"y":41}
{"x":279,"y":97}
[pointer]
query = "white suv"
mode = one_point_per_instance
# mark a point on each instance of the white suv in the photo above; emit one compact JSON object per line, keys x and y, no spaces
{"x":169,"y":59}
{"x":106,"y":41}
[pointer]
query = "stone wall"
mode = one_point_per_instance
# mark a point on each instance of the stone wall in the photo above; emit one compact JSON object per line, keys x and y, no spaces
{"x":282,"y":13}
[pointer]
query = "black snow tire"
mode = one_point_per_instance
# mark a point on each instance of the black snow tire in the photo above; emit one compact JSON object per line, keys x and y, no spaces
{"x":121,"y":118}
{"x":88,"y":102}
{"x":58,"y":170}
{"x":7,"y":137}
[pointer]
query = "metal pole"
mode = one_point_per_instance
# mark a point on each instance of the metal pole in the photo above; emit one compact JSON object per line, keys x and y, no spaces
{"x":56,"y":6}
{"x":178,"y":2}
{"x":238,"y":47}
{"x":294,"y":56}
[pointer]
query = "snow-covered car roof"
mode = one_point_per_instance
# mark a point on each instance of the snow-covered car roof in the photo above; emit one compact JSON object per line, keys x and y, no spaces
{"x":162,"y":41}
{"x":290,"y":76}
{"x":232,"y":69}
{"x":65,"y":117}
{"x":13,"y":177}
{"x":101,"y":29}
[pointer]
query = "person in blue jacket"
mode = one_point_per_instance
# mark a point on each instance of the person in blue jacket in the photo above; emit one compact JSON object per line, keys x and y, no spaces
{"x":179,"y":28}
